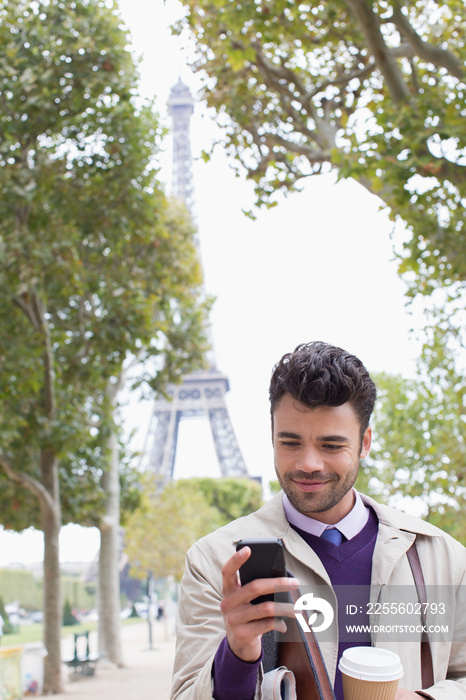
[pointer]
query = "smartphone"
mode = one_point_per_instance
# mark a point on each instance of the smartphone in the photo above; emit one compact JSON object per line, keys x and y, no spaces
{"x":267,"y":560}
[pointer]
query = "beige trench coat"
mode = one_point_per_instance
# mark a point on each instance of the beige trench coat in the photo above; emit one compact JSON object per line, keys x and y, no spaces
{"x":200,"y":626}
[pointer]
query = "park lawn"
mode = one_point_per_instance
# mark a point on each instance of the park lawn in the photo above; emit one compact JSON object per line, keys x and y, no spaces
{"x":33,"y":633}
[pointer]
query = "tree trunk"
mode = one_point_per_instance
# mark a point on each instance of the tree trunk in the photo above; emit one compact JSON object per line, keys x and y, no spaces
{"x":109,"y":572}
{"x":51,"y":523}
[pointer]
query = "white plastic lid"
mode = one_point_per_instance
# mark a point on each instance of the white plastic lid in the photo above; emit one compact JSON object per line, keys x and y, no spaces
{"x":371,"y":664}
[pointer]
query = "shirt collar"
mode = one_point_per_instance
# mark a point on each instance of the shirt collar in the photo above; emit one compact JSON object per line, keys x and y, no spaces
{"x":349,"y":526}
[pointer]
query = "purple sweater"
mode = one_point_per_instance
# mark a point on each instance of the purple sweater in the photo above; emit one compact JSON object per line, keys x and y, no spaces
{"x":348,"y":564}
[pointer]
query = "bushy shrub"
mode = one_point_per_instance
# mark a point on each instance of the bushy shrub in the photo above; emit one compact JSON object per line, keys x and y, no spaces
{"x":68,"y":617}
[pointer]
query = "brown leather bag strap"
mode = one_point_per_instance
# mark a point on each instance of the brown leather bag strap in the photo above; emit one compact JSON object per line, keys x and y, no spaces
{"x":316,"y":662}
{"x":427,"y":670}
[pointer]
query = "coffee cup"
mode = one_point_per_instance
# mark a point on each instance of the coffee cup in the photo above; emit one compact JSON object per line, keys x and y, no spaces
{"x":370,"y":673}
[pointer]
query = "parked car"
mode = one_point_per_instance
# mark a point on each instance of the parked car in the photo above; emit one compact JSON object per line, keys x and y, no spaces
{"x":37,"y":616}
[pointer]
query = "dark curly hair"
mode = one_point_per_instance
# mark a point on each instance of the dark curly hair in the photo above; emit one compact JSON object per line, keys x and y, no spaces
{"x":320,"y":374}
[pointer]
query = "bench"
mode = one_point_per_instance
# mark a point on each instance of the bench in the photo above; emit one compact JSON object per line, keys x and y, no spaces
{"x":82,"y":663}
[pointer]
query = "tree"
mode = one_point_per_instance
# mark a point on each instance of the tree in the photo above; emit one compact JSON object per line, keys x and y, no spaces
{"x":419,"y":451}
{"x":230,"y":498}
{"x":167,"y":522}
{"x":97,"y":269}
{"x":7,"y":627}
{"x":159,"y":532}
{"x":373,"y":90}
{"x":68,"y":616}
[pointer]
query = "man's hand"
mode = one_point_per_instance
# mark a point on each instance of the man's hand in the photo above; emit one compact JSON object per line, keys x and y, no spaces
{"x":245,"y":623}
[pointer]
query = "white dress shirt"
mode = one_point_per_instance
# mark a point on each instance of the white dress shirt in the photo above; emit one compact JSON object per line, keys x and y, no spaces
{"x":349,"y":526}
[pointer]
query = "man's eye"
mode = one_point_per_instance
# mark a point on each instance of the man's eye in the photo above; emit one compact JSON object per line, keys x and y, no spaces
{"x":332,"y":447}
{"x":289,"y":443}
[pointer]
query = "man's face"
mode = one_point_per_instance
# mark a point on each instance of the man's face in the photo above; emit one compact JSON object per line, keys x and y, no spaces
{"x":316,"y":454}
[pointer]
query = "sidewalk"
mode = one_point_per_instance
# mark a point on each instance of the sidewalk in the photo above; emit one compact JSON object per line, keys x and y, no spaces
{"x":146,"y":674}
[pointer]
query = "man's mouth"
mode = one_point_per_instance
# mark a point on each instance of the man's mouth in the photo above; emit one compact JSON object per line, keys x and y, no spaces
{"x":310,"y":486}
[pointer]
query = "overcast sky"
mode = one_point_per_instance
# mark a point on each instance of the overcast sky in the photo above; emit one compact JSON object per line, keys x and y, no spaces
{"x":317,"y":267}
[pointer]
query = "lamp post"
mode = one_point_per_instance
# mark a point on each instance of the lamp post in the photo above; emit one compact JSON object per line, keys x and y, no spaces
{"x":150,"y":606}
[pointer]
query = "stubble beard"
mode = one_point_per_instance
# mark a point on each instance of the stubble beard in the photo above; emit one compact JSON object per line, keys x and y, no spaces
{"x":309,"y":503}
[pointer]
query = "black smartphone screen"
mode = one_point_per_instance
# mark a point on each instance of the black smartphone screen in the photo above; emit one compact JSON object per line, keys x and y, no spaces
{"x":267,"y":560}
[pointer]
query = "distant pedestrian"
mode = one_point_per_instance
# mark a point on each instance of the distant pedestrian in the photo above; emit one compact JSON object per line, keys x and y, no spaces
{"x":2,"y":625}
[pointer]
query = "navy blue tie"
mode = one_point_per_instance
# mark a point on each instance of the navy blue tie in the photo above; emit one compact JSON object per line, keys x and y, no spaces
{"x":332,"y":535}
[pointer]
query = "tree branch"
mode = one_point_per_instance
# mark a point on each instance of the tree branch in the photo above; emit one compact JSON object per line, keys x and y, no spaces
{"x":33,"y":485}
{"x":21,"y":301}
{"x":426,"y":51}
{"x":313,"y":155}
{"x":382,"y":55}
{"x":280,"y":77}
{"x":322,"y":135}
{"x":344,"y":79}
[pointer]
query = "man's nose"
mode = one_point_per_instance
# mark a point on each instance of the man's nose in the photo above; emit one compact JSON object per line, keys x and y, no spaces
{"x":310,"y":460}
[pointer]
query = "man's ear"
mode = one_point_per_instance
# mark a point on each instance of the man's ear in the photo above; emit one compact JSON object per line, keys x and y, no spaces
{"x":366,"y":443}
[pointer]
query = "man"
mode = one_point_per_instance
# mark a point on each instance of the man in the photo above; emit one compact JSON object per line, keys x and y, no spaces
{"x":321,"y":401}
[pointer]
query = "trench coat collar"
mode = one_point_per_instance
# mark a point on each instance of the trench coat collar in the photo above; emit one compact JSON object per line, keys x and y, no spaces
{"x":272,"y":521}
{"x":397,"y":531}
{"x":396,"y":519}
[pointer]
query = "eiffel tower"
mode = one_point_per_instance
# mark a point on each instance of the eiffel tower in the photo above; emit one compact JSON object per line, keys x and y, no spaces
{"x":201,"y":393}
